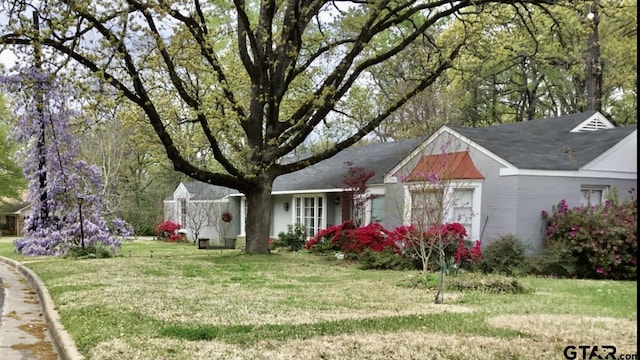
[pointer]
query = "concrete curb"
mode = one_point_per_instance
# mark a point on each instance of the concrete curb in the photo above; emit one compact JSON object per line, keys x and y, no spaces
{"x":62,"y":341}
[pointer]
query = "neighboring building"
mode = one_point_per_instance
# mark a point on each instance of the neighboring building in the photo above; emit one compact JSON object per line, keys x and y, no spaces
{"x":199,"y":208}
{"x":12,"y":215}
{"x":501,"y":178}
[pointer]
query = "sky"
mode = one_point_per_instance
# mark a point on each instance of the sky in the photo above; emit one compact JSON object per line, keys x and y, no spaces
{"x":7,"y":58}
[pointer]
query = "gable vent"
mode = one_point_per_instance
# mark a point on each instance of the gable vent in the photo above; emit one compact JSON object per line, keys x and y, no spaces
{"x":594,"y":123}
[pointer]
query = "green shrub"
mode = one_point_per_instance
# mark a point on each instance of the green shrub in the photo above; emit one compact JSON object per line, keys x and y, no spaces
{"x":294,"y":239}
{"x":556,"y":260}
{"x":493,"y":285}
{"x":97,"y":251}
{"x":420,"y":281}
{"x":467,"y":282}
{"x":387,"y":259}
{"x":505,"y":256}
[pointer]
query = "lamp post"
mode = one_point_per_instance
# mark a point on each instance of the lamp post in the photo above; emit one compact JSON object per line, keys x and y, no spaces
{"x":80,"y":201}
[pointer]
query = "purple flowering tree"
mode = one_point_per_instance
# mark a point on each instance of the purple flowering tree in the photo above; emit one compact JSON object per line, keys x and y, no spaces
{"x":57,"y":179}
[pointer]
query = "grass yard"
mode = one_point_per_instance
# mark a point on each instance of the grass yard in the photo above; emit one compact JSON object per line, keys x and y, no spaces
{"x":173,"y":301}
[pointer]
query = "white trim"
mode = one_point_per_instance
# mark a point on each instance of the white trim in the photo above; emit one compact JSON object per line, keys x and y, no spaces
{"x":210,"y":201}
{"x":372,"y":190}
{"x":390,"y":178}
{"x":181,"y":185}
{"x":243,"y":216}
{"x":310,"y":191}
{"x":604,"y":192}
{"x":593,"y":120}
{"x":579,"y":173}
{"x":406,"y":213}
{"x":23,"y":209}
{"x":293,"y":192}
{"x":476,"y":222}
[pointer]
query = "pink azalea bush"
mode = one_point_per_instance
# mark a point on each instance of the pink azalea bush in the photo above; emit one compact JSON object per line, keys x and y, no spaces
{"x":350,"y":239}
{"x":599,"y":241}
{"x":374,"y":238}
{"x":465,"y":253}
{"x":168,"y":230}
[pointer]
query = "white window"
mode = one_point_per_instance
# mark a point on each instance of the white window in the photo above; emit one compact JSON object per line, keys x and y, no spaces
{"x":426,"y":208}
{"x":593,"y":195}
{"x":458,"y":202}
{"x":310,"y":212}
{"x":375,"y":206}
{"x":462,"y":209}
{"x":377,"y":209}
{"x":182,"y":203}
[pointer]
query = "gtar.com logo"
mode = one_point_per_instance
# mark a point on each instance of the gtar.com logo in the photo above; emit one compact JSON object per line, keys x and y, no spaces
{"x":584,"y":352}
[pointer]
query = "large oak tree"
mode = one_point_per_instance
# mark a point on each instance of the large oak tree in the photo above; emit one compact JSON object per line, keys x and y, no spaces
{"x":250,"y":79}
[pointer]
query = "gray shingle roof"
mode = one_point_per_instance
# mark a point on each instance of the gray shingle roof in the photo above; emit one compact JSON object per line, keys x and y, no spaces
{"x":327,"y":174}
{"x":544,"y":144}
{"x":379,"y":157}
{"x":204,"y":191}
{"x":547,"y":144}
{"x":11,"y":207}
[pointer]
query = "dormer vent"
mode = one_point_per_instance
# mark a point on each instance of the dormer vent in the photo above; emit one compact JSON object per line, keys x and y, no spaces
{"x":594,"y":123}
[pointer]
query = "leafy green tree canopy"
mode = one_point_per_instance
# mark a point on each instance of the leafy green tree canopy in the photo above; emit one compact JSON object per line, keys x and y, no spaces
{"x":251,"y":80}
{"x":11,"y":179}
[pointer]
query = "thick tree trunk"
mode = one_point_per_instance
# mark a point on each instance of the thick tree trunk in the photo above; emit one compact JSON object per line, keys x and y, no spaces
{"x":594,"y":65}
{"x":258,"y":222}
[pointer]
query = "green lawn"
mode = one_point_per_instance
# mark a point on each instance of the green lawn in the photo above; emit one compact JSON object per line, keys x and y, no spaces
{"x":172,"y":301}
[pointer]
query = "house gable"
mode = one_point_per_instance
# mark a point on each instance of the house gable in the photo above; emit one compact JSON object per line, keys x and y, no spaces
{"x":448,"y":133}
{"x":622,"y":157}
{"x":181,"y":192}
{"x":547,"y":144}
{"x":453,"y":166}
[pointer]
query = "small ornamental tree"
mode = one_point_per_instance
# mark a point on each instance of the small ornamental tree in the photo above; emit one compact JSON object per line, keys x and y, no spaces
{"x":432,"y":186}
{"x":63,"y":190}
{"x":449,"y":236}
{"x":356,"y":196}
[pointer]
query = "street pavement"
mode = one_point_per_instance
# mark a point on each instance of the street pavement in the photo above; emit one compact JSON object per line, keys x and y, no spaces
{"x":24,"y":334}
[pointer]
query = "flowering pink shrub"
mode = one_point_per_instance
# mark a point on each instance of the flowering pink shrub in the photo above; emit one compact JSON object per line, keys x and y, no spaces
{"x":601,"y":240}
{"x":350,"y":239}
{"x":466,"y":254}
{"x":402,"y":235}
{"x":167,"y":230}
{"x":329,"y":238}
{"x":372,"y":236}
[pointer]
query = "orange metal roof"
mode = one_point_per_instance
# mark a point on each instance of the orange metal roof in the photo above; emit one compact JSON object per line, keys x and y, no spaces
{"x":452,"y":166}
